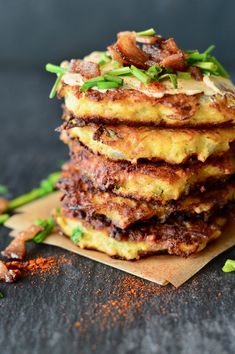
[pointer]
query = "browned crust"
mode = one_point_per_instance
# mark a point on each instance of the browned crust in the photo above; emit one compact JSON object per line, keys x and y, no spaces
{"x":175,"y":232}
{"x":108,"y":175}
{"x":184,"y":106}
{"x":78,"y":196}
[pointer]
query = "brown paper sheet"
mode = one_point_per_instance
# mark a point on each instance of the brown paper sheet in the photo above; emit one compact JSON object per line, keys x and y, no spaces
{"x":161,"y":269}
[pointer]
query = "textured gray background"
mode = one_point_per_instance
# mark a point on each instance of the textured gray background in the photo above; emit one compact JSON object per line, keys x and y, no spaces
{"x":38,"y":316}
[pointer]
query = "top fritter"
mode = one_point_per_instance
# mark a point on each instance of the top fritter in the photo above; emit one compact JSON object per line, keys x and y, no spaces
{"x":144,"y":79}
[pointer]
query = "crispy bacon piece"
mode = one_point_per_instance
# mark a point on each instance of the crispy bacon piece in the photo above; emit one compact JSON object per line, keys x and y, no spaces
{"x":196,"y":73}
{"x":8,"y":275}
{"x":127,"y":52}
{"x":87,"y":69}
{"x":155,"y":50}
{"x":17,"y":248}
{"x":3,"y":205}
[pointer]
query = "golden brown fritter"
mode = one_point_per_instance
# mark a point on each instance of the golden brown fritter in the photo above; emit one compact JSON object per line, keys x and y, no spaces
{"x":135,"y":107}
{"x":148,"y":181}
{"x":174,"y":237}
{"x":174,"y":146}
{"x":122,"y":212}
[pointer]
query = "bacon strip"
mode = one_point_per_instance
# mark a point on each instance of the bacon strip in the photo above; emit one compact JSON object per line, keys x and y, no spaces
{"x":87,"y":69}
{"x":17,"y":248}
{"x":155,"y":50}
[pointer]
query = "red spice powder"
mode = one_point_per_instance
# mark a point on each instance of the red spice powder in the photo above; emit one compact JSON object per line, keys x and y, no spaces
{"x":123,"y":305}
{"x":40,"y":266}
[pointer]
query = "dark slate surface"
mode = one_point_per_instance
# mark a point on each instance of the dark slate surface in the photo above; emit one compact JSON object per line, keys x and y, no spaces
{"x":38,"y":314}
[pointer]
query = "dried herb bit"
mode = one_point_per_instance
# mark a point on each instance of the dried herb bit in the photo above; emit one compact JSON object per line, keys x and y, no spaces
{"x":48,"y":225}
{"x":3,"y":189}
{"x":172,"y":77}
{"x":140,"y":75}
{"x":229,"y":266}
{"x":148,"y":32}
{"x":77,"y":235}
{"x":1,"y":295}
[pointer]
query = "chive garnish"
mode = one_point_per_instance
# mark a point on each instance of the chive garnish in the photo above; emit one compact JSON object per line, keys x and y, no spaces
{"x":51,"y":68}
{"x":104,"y":58}
{"x":221,"y":70}
{"x":3,"y":189}
{"x":105,"y":85}
{"x":206,"y":65}
{"x":183,"y":75}
{"x":140,"y":75}
{"x":172,"y":77}
{"x":47,"y":186}
{"x":210,"y":49}
{"x":113,"y":78}
{"x":148,"y":32}
{"x":229,"y":266}
{"x":48,"y":226}
{"x":122,"y":71}
{"x":1,"y":295}
{"x":77,"y":235}
{"x":91,"y":83}
{"x":54,"y":88}
{"x":4,"y":218}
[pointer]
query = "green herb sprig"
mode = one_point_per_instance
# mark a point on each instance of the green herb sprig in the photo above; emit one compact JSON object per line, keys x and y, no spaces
{"x":59,"y":71}
{"x":229,"y":266}
{"x":46,"y":186}
{"x":148,"y":32}
{"x":206,"y":62}
{"x":48,"y":225}
{"x":3,"y":189}
{"x":77,"y":235}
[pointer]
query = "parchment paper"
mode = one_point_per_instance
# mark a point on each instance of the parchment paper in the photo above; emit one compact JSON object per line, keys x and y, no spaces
{"x":160,"y":269}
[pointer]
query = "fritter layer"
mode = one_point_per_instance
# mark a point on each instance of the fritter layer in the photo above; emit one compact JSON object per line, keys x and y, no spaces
{"x":170,"y":145}
{"x":133,"y":107}
{"x":148,"y":181}
{"x":176,"y":237}
{"x":122,"y":212}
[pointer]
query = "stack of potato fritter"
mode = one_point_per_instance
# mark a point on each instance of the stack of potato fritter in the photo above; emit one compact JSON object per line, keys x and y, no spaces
{"x":152,"y":157}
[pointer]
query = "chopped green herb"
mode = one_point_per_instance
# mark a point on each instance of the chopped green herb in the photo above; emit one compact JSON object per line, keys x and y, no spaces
{"x":1,"y":295}
{"x":51,"y":68}
{"x":210,"y":49}
{"x":140,"y":75}
{"x":116,"y":64}
{"x":105,"y":85}
{"x":148,"y":32}
{"x":104,"y":58}
{"x":112,"y":133}
{"x":183,"y":75}
{"x":206,"y":65}
{"x":46,"y":187}
{"x":3,"y":189}
{"x":113,"y":78}
{"x":229,"y":266}
{"x":172,"y":77}
{"x":48,"y":226}
{"x":122,"y":71}
{"x":4,"y":218}
{"x":221,"y":70}
{"x":91,"y":83}
{"x":77,"y":235}
{"x":54,"y":88}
